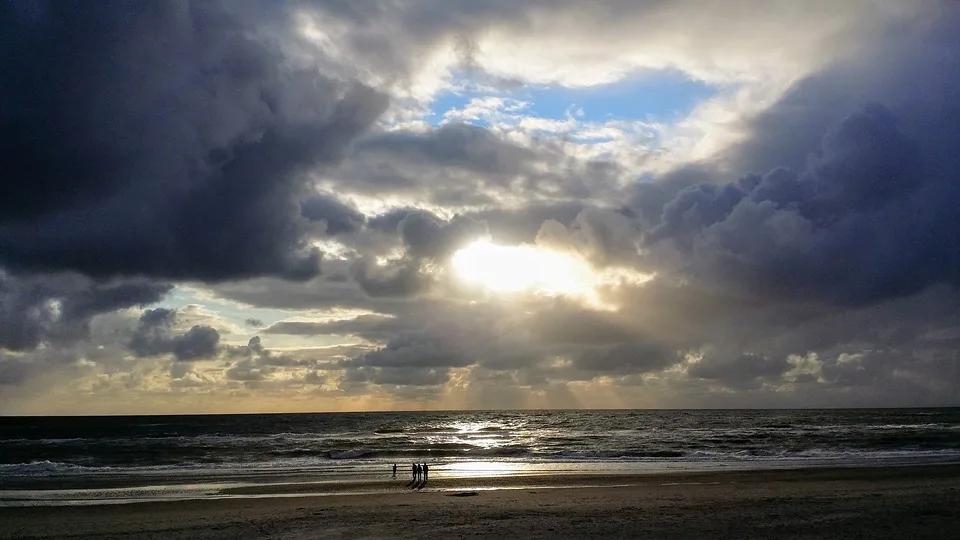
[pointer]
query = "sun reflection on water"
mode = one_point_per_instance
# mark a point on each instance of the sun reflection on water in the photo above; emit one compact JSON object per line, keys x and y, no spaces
{"x":475,"y":469}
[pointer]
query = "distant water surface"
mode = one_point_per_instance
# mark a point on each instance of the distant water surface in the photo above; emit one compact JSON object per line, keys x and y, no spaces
{"x":52,"y":452}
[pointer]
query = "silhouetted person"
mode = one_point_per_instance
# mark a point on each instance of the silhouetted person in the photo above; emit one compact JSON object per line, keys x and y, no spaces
{"x":394,"y":470}
{"x":413,"y":471}
{"x":419,"y":472}
{"x":426,"y":471}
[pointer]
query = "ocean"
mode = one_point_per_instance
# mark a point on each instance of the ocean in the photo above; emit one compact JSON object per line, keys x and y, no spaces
{"x":84,"y":460}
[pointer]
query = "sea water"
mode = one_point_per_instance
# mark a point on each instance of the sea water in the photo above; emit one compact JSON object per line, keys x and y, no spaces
{"x":46,"y":460}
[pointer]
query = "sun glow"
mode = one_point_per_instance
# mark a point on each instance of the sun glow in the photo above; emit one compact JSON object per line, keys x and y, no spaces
{"x":537,"y":270}
{"x":514,"y":269}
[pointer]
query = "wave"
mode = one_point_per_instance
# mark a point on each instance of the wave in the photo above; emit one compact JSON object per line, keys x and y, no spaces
{"x":826,"y":454}
{"x":350,"y":454}
{"x":42,"y":467}
{"x":307,"y":459}
{"x":364,"y":461}
{"x":434,"y":451}
{"x":77,"y":446}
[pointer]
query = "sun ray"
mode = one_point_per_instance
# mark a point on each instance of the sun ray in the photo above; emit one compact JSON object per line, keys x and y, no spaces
{"x":536,"y":270}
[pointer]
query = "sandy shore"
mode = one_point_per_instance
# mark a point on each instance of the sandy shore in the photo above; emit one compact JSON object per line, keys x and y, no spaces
{"x":907,"y":502}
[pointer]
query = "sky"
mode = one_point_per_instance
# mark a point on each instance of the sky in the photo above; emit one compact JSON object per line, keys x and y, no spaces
{"x":317,"y":205}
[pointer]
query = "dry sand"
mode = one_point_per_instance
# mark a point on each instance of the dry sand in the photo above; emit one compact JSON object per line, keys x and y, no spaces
{"x":891,"y":503}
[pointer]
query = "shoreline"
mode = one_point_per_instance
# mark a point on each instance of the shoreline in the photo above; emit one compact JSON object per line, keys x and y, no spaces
{"x":590,"y":480}
{"x":889,"y":502}
{"x":376,"y":473}
{"x":305,"y":486}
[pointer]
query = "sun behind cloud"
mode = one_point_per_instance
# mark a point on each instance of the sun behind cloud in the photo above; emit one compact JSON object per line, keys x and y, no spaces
{"x":524,"y":268}
{"x":530,"y":269}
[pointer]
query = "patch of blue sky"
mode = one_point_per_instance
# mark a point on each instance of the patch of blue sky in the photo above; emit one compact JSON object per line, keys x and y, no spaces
{"x":238,"y":315}
{"x":661,"y":96}
{"x":182,"y":297}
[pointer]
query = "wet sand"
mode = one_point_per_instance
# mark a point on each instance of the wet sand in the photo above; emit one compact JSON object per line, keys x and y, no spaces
{"x":894,"y":503}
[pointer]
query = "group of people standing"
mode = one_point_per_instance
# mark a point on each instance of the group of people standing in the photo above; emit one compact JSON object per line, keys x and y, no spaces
{"x":419,"y":471}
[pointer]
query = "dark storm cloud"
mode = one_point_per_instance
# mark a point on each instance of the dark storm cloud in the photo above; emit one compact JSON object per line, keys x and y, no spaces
{"x":849,"y":187}
{"x":435,"y":339}
{"x":426,"y":237}
{"x":198,"y":342}
{"x":389,"y":222}
{"x":694,"y":208}
{"x":647,"y":198}
{"x":866,"y":220}
{"x":338,"y":217}
{"x":325,"y":291}
{"x":737,"y":369}
{"x":567,"y":323}
{"x":178,"y":149}
{"x":633,"y":357}
{"x":369,"y":327}
{"x":154,"y":336}
{"x":398,"y":279}
{"x":57,"y":309}
{"x":459,"y":145}
{"x":417,"y":349}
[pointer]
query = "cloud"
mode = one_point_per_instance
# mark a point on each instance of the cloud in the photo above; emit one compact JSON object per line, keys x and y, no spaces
{"x":416,"y":349}
{"x":369,"y":327}
{"x":246,"y":370}
{"x":426,"y":240}
{"x":400,"y":278}
{"x":153,"y":337}
{"x":57,"y":309}
{"x":604,"y":236}
{"x":774,"y":259}
{"x":801,"y":224}
{"x":632,"y":357}
{"x":737,"y":369}
{"x":458,"y":145}
{"x":327,"y":291}
{"x":863,"y":222}
{"x":555,"y":42}
{"x":395,"y":377}
{"x":338,"y":217}
{"x":254,"y":363}
{"x":473,"y":168}
{"x":181,"y":158}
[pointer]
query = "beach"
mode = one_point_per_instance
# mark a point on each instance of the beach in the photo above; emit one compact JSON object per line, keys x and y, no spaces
{"x":891,"y":502}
